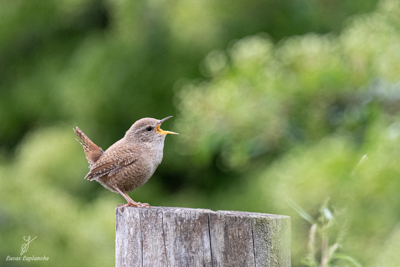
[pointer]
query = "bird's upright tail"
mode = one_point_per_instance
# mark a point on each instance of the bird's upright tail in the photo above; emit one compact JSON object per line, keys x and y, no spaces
{"x":92,"y":151}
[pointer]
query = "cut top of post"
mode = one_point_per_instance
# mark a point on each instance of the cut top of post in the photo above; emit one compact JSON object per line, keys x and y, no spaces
{"x":163,"y":236}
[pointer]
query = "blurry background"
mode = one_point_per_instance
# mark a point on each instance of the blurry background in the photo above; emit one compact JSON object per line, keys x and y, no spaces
{"x":280,"y":106}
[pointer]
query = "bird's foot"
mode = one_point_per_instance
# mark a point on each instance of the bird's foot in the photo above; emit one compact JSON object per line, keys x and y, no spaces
{"x":144,"y":205}
{"x":133,"y":204}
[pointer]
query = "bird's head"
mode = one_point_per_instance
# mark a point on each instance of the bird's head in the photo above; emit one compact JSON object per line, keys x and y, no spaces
{"x":147,"y":130}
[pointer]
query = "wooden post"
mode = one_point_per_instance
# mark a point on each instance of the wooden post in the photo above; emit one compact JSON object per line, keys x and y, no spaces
{"x":163,"y":236}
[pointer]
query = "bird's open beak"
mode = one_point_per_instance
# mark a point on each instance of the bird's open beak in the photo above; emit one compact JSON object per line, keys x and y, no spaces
{"x":160,"y":131}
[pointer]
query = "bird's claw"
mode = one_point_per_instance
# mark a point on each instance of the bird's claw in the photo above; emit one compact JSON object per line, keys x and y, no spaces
{"x":133,"y":204}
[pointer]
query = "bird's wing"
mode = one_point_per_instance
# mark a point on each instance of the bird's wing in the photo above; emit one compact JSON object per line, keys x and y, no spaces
{"x":92,"y":151}
{"x":111,"y":162}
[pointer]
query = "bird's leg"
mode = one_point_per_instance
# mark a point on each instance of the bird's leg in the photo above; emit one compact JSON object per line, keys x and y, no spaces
{"x":131,"y":202}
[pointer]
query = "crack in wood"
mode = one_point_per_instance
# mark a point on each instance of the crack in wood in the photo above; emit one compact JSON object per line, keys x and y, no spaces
{"x":254,"y":248}
{"x":163,"y":234}
{"x":209,"y":237}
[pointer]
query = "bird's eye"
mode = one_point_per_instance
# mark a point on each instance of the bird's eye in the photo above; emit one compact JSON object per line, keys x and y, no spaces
{"x":149,"y":128}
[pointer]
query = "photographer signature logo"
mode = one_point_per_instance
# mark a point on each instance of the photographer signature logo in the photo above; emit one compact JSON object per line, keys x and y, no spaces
{"x":24,"y":249}
{"x":25,"y":246}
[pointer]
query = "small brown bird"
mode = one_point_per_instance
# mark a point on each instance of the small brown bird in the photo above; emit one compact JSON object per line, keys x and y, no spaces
{"x":130,"y":162}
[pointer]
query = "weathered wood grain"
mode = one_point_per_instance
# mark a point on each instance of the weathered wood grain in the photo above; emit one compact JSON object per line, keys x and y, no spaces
{"x":163,"y":236}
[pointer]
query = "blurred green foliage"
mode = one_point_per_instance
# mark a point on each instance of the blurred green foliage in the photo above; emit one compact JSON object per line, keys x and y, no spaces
{"x":307,"y":110}
{"x":311,"y":117}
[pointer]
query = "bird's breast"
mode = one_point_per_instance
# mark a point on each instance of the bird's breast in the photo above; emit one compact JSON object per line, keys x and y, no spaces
{"x":156,"y":153}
